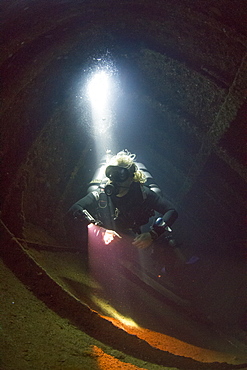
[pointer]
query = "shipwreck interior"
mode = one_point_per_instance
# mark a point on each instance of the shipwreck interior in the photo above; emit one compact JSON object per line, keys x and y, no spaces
{"x":178,"y":101}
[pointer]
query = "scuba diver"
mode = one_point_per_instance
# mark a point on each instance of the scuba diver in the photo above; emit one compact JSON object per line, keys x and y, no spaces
{"x":122,"y":202}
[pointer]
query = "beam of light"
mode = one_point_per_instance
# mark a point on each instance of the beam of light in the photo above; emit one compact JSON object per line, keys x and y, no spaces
{"x":99,"y":90}
{"x":112,"y":312}
{"x":104,"y":268}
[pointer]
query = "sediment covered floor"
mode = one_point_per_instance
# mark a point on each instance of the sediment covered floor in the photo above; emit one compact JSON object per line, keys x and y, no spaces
{"x":55,"y":316}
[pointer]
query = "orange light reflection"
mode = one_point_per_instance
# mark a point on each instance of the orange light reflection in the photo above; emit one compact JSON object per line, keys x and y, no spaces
{"x":106,"y":362}
{"x":173,"y":345}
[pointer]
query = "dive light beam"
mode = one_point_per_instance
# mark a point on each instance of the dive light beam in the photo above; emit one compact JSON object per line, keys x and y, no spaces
{"x":99,"y":90}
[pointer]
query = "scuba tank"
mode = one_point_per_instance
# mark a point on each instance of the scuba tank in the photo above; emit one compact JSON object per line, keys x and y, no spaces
{"x":99,"y":177}
{"x":149,"y":179}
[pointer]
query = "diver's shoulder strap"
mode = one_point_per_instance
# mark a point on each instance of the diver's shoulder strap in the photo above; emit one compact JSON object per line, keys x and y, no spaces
{"x":105,"y":208}
{"x":101,"y":198}
{"x":144,"y":194}
{"x":99,"y":190}
{"x":96,"y":194}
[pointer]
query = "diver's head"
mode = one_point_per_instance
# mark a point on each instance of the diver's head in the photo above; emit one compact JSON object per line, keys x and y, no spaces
{"x":120,"y":179}
{"x":119,"y":174}
{"x":122,"y":171}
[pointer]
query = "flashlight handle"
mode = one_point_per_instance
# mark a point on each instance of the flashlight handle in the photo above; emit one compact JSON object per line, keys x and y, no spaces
{"x":158,"y":228}
{"x":88,"y":216}
{"x":85,"y":215}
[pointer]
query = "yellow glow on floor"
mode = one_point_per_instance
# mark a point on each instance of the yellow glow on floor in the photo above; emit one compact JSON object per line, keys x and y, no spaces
{"x":109,"y":310}
{"x":175,"y":346}
{"x":108,"y":362}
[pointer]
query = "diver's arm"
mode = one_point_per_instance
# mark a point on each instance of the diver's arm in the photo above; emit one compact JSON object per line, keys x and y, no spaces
{"x":170,"y":217}
{"x":87,"y":203}
{"x":75,"y":225}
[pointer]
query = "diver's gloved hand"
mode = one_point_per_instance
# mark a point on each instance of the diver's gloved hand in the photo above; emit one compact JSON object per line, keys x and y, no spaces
{"x":110,"y":235}
{"x":143,"y":241}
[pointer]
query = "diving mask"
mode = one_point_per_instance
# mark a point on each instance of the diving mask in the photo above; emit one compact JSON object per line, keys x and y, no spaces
{"x":117,"y":173}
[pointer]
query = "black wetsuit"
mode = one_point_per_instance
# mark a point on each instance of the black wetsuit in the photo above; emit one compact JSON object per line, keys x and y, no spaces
{"x":126,"y":213}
